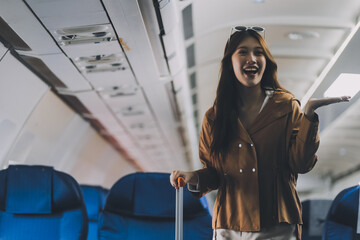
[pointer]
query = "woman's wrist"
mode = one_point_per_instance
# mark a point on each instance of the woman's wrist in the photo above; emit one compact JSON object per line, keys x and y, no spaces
{"x":194,"y":179}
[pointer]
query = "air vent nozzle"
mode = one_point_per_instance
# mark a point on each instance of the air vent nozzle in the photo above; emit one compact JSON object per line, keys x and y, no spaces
{"x":102,"y":63}
{"x":85,"y":34}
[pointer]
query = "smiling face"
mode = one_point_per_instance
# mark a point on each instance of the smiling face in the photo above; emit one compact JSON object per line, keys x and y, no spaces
{"x":249,"y":62}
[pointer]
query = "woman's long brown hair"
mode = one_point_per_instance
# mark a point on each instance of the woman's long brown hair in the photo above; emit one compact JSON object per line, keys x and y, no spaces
{"x":225,"y":126}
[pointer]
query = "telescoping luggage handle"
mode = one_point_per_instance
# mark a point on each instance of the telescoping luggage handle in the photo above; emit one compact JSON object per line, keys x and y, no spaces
{"x":179,"y":209}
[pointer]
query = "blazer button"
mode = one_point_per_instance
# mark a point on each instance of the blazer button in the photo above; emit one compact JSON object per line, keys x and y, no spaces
{"x":240,"y":145}
{"x":240,"y":170}
{"x":251,"y":144}
{"x":253,"y":170}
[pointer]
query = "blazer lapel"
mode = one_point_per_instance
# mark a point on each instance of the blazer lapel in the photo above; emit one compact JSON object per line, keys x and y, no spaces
{"x":243,"y":134}
{"x":273,"y":110}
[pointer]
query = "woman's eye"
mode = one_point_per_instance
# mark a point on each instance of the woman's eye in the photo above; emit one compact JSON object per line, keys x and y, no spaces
{"x":259,"y":53}
{"x":242,"y":52}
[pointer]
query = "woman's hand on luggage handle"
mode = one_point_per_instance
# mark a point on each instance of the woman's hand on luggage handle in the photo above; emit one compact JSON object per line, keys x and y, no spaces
{"x":314,"y":103}
{"x":189,"y":177}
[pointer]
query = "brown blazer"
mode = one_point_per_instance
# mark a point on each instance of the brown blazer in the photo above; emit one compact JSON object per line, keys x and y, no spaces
{"x":257,"y":180}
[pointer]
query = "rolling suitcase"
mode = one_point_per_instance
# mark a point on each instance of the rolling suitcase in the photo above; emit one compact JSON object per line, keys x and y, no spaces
{"x":179,"y":209}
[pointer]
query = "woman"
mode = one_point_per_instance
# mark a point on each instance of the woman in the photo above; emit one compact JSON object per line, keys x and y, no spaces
{"x":253,"y":143}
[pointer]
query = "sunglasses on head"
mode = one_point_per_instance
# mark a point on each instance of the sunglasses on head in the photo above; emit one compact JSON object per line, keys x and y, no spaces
{"x":245,"y":28}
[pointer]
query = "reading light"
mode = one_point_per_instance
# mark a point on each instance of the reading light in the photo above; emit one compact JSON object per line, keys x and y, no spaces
{"x":345,"y":85}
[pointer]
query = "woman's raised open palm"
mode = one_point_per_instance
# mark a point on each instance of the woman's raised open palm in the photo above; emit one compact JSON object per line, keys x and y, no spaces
{"x":314,"y":104}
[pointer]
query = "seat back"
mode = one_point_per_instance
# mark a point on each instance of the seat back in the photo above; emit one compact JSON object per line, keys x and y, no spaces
{"x":342,"y":221}
{"x":37,"y":202}
{"x":142,"y":206}
{"x":314,"y":214}
{"x":94,"y":197}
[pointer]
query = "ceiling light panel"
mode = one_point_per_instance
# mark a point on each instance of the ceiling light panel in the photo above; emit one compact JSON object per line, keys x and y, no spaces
{"x":345,"y":85}
{"x":303,"y":35}
{"x":299,"y":37}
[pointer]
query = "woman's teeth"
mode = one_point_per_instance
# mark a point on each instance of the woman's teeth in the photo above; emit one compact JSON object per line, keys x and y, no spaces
{"x":251,"y":70}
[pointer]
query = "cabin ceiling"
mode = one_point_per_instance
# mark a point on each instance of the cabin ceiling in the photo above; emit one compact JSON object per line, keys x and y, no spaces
{"x":143,"y":73}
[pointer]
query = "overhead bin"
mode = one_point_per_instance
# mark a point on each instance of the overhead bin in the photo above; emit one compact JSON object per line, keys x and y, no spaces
{"x":3,"y":50}
{"x":151,"y":22}
{"x":81,"y":27}
{"x":171,"y":34}
{"x":26,"y":26}
{"x":56,"y":14}
{"x":97,"y":109}
{"x":166,"y":40}
{"x":63,"y":69}
{"x":19,"y":94}
{"x":174,"y":50}
{"x":169,"y":15}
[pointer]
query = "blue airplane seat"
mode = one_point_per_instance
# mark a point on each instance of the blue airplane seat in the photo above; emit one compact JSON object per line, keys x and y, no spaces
{"x":38,"y":202}
{"x":342,"y":220}
{"x":142,"y":206}
{"x":95,"y":198}
{"x":314,"y":214}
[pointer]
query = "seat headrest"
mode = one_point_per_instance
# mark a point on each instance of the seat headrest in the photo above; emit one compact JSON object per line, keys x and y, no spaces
{"x":150,"y":195}
{"x":37,"y":190}
{"x":344,"y":209}
{"x":32,"y":184}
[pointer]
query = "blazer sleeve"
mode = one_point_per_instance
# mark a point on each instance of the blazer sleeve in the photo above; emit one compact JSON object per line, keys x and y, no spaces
{"x":303,"y":138}
{"x":208,"y":175}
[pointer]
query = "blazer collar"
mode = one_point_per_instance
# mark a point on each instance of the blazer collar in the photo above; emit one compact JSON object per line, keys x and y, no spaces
{"x":278,"y":105}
